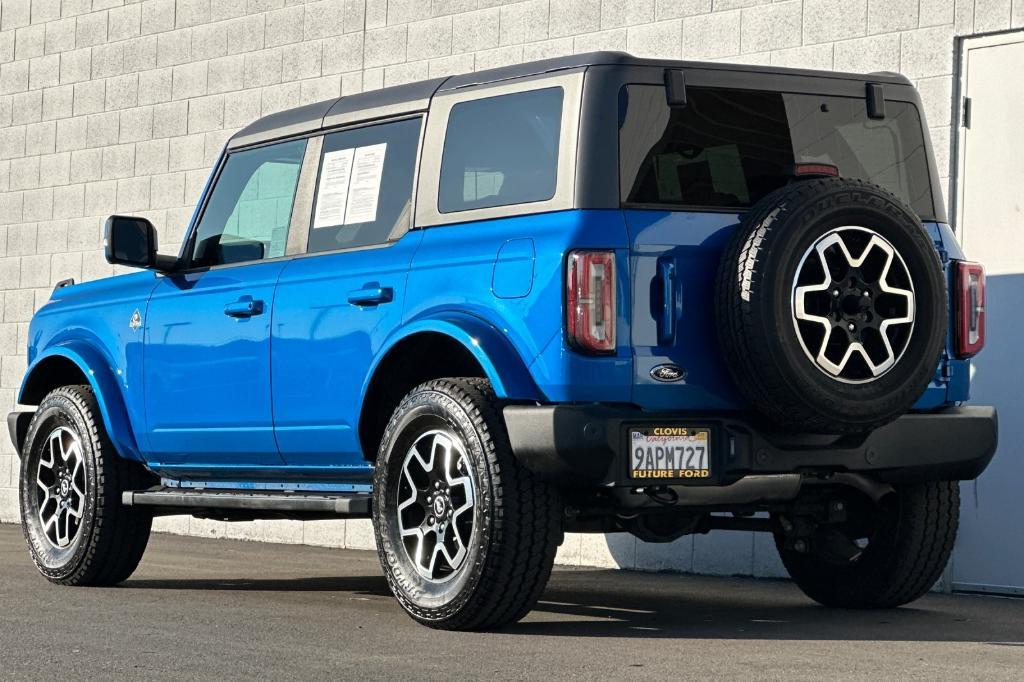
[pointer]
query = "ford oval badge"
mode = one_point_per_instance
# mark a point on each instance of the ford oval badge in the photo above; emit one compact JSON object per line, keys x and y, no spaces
{"x":668,"y":373}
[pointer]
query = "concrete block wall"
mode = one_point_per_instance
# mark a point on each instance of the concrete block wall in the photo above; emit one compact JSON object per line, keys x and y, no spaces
{"x":120,"y":106}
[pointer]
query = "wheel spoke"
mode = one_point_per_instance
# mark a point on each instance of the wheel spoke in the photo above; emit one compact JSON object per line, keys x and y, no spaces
{"x":418,"y":558}
{"x":63,"y":534}
{"x":463,"y":481}
{"x":413,"y":460}
{"x":52,"y":450}
{"x":78,"y":508}
{"x":800,"y":301}
{"x":460,"y":553}
{"x":411,"y":500}
{"x":424,"y":465}
{"x":58,"y":438}
{"x":47,"y":520}
{"x":438,"y":547}
{"x":441,"y":445}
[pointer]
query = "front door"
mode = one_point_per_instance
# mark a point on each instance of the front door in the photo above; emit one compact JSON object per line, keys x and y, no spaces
{"x":207,"y":348}
{"x":989,"y":554}
{"x":336,"y":306}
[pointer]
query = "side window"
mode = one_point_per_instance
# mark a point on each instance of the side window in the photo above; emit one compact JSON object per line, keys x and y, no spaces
{"x":501,"y":150}
{"x":364,"y":192}
{"x":247,"y":216}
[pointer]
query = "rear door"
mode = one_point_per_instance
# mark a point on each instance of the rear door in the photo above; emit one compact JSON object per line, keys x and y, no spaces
{"x":337,"y":305}
{"x":688,"y":172}
{"x":207,"y":344}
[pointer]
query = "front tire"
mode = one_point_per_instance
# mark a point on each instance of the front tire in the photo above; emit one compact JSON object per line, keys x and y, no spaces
{"x":907,"y":543}
{"x":77,"y":530}
{"x":466,"y":535}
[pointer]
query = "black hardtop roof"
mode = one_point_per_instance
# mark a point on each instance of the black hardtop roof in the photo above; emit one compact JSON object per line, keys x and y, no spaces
{"x":416,"y":96}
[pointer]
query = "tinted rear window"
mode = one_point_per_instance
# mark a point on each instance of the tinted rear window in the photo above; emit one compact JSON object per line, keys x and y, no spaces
{"x":728,"y":148}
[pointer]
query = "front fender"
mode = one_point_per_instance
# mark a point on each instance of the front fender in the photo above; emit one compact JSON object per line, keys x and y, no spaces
{"x":100,"y":374}
{"x":502,"y":364}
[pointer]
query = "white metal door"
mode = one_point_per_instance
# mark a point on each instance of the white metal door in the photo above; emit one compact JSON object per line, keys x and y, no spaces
{"x":989,"y":555}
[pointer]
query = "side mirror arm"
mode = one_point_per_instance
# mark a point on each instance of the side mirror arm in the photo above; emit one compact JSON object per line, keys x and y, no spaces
{"x":164,"y":263}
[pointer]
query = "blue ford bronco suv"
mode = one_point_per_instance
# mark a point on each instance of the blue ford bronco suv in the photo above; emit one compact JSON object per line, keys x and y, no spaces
{"x":591,"y":294}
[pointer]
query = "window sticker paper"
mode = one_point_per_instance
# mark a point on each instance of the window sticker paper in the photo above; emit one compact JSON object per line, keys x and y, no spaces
{"x":367,"y":169}
{"x":333,"y":191}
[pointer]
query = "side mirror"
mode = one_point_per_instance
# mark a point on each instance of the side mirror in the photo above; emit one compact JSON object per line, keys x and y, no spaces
{"x":132,"y":241}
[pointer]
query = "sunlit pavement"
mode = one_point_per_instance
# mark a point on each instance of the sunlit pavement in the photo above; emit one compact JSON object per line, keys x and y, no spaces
{"x":200,"y":608}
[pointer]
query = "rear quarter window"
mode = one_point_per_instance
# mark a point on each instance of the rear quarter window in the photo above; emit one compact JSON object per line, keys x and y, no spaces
{"x":501,"y":150}
{"x":728,"y":148}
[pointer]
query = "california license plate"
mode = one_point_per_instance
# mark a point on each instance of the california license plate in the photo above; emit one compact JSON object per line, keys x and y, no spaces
{"x":670,"y":452}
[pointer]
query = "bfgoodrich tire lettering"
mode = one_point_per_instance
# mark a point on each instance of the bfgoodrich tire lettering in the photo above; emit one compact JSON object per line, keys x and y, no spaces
{"x":762,"y":346}
{"x":109,"y":539}
{"x":516,"y":523}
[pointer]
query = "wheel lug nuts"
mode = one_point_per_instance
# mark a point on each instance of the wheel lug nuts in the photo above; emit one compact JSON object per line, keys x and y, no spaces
{"x":835,"y":293}
{"x":851,"y":326}
{"x":437,"y":484}
{"x":431,"y":520}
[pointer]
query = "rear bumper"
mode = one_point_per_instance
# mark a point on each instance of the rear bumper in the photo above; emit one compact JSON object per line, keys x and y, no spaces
{"x":586,"y":445}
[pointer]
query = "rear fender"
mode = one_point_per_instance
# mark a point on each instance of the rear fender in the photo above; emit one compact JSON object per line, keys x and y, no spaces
{"x":101,"y":378}
{"x":500,"y":361}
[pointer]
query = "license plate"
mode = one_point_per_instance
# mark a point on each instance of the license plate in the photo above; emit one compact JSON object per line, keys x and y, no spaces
{"x":670,"y":452}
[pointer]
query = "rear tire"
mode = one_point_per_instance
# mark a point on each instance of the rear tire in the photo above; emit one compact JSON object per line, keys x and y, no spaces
{"x":913,"y":535}
{"x":77,"y":530}
{"x":446,"y":470}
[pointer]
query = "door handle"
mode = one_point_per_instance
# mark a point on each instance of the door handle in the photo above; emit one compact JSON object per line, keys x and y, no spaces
{"x":244,"y":308}
{"x":667,"y":319}
{"x":371,"y":296}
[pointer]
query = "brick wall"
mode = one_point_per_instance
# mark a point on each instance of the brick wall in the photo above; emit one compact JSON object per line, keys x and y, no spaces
{"x":111,"y":106}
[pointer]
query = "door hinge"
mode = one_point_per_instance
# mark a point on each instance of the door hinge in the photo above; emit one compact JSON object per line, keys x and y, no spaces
{"x":967,"y":112}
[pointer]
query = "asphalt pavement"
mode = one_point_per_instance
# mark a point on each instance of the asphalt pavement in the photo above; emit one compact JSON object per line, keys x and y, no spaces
{"x":217,"y":609}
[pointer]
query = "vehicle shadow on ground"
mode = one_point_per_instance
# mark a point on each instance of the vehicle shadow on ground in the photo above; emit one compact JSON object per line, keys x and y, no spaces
{"x":623,"y":604}
{"x":360,"y":585}
{"x":594,"y":603}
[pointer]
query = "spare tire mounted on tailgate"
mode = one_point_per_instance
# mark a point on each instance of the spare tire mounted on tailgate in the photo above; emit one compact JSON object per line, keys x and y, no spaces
{"x":831,"y":306}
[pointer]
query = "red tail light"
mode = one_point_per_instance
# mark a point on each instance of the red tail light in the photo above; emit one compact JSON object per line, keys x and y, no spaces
{"x":815,"y":169}
{"x":970,"y":308}
{"x":590,"y":301}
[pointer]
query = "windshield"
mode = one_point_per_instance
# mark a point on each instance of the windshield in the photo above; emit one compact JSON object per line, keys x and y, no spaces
{"x":728,"y":148}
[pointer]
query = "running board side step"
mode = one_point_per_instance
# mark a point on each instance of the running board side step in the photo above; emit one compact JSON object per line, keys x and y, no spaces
{"x":245,"y":504}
